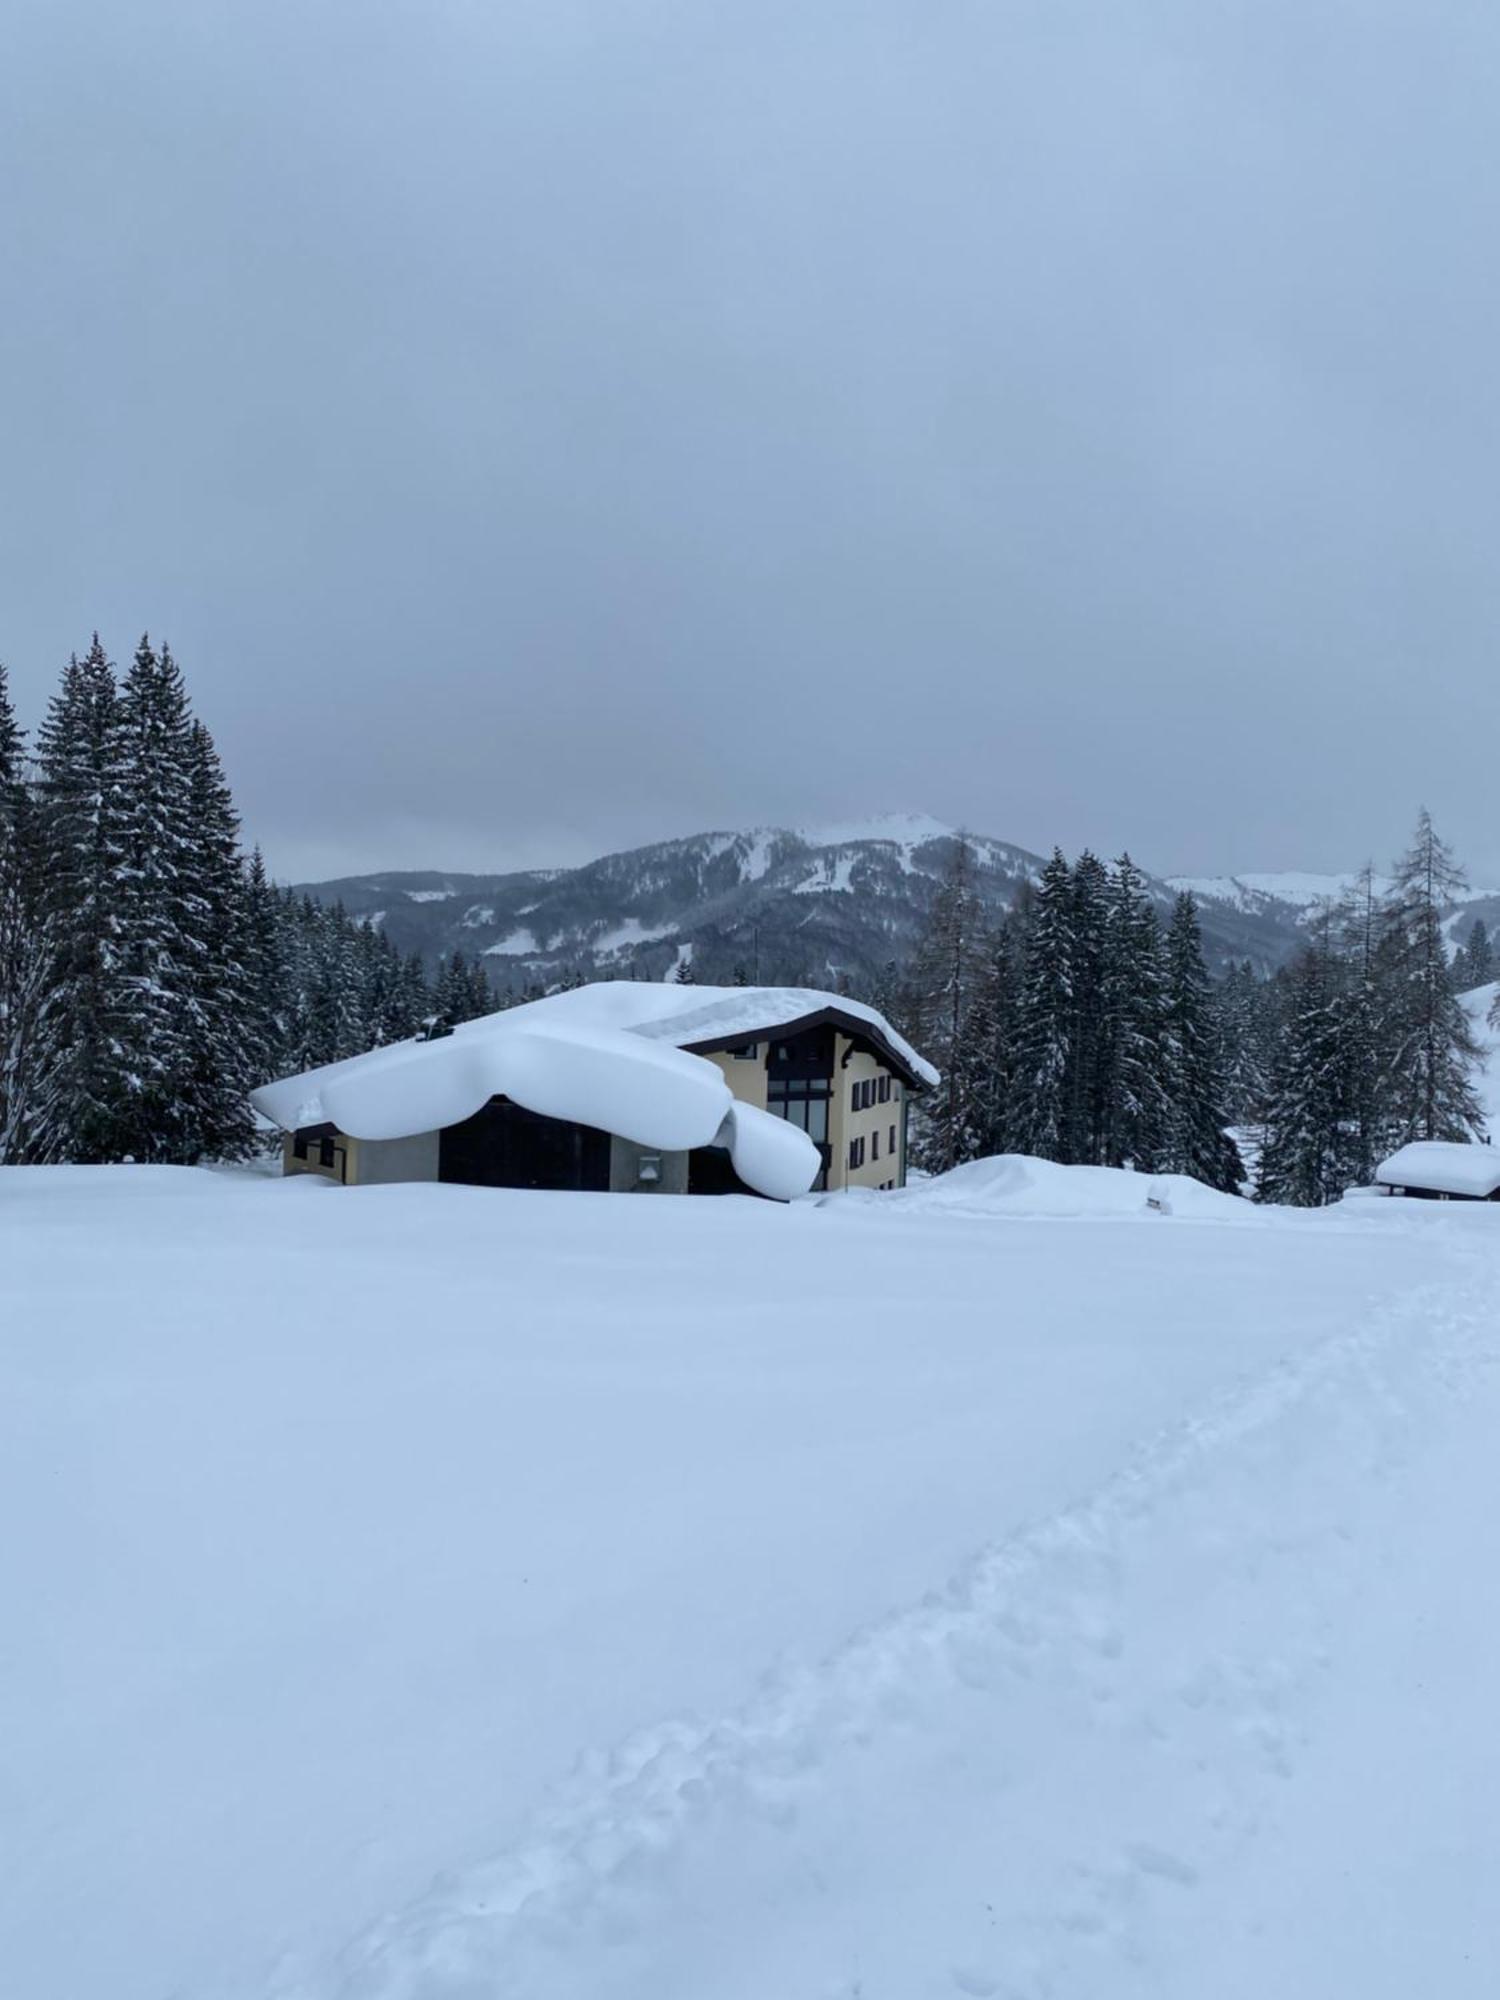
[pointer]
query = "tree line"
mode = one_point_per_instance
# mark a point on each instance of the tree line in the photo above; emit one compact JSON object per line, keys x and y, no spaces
{"x":150,"y":974}
{"x":1084,"y":1029}
{"x":1080,"y":1029}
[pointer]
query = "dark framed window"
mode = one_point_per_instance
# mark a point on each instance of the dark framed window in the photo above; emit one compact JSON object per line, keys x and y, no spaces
{"x":875,"y":1145}
{"x":856,"y":1153}
{"x":885,"y":1090}
{"x":892,"y":1146}
{"x":746,"y":1052}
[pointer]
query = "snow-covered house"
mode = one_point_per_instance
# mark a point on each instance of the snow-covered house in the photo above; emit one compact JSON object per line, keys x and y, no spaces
{"x":625,"y":1087}
{"x":1442,"y":1170}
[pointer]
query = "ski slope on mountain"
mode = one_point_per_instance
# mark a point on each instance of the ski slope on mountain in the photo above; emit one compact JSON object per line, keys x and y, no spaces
{"x":1034,"y":1584}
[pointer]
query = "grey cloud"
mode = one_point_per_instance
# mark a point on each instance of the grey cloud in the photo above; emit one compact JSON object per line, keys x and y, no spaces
{"x":541,"y":428}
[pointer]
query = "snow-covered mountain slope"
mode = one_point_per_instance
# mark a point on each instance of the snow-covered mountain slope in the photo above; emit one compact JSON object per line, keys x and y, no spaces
{"x":800,"y":907}
{"x":1002,"y":1589}
{"x":1294,"y":902}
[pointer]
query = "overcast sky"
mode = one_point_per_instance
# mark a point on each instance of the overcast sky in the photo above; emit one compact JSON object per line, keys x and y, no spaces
{"x":548,"y":426}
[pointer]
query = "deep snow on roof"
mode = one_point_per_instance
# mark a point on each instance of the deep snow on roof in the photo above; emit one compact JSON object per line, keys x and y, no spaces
{"x":610,"y":1055}
{"x":1445,"y":1166}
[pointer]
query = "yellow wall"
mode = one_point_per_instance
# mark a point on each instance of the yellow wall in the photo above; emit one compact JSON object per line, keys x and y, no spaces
{"x":747,"y":1080}
{"x":745,"y":1077}
{"x":875,"y":1122}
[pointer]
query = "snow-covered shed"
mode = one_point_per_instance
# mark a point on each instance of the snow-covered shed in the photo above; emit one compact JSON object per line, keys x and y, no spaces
{"x":621,"y":1086}
{"x":1442,"y":1170}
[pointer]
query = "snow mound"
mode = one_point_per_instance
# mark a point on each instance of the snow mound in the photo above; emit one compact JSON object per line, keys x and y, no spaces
{"x":1015,"y":1184}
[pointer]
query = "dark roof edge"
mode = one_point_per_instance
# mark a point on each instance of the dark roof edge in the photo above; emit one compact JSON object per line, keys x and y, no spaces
{"x":857,"y":1029}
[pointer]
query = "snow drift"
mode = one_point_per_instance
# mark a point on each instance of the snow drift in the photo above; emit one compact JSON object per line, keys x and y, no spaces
{"x":1016,"y":1184}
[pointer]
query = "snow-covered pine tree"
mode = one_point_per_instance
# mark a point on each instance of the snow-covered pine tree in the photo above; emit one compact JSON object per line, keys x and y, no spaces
{"x":1474,"y":964}
{"x":1197,"y":1143}
{"x":1354,"y":931}
{"x":225,"y":1057}
{"x":481,"y":992}
{"x":946,"y":974}
{"x":1041,"y":1096}
{"x":1136,"y":1057}
{"x":462,"y":992}
{"x":412,"y":1004}
{"x":83,"y":1106}
{"x":1429,"y":1050}
{"x":1086,"y":1056}
{"x":992,"y":1036}
{"x":1245,"y":1013}
{"x":332,"y":1025}
{"x":1310,"y":1149}
{"x":1483,"y":965}
{"x":267,"y":974}
{"x":23,"y":956}
{"x":161,"y":926}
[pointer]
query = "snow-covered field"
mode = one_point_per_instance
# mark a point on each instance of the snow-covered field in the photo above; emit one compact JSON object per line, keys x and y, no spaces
{"x":1003,"y":1588}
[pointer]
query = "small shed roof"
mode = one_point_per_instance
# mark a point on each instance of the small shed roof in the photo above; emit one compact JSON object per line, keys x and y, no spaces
{"x":1443,"y":1166}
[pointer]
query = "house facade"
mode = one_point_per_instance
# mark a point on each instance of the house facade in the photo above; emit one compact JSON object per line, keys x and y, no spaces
{"x":621,"y":1088}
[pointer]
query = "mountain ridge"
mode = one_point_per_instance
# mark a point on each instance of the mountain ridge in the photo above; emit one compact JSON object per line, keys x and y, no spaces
{"x":811,"y":905}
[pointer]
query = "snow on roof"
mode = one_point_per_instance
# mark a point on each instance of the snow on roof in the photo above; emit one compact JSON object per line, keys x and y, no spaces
{"x":691,"y":1015}
{"x":1443,"y":1165}
{"x":610,"y":1055}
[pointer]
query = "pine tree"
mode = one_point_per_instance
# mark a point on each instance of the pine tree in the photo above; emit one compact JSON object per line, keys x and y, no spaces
{"x":462,"y":992}
{"x":1245,"y":1014}
{"x":1474,"y":964}
{"x":160,"y":921}
{"x":1430,"y":1051}
{"x":1309,"y":1154}
{"x":267,"y":975}
{"x":83,"y":1108}
{"x":224,"y":1056}
{"x":1086,"y":1057}
{"x":1360,"y":920}
{"x":1041,"y":1099}
{"x":412,"y":1004}
{"x":1136,"y":1059}
{"x":1196,"y":1141}
{"x":945,"y":981}
{"x":23,"y":955}
{"x":992,"y":1037}
{"x":332,"y":1025}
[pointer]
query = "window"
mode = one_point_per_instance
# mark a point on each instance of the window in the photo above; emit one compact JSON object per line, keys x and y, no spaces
{"x":874,"y":1145}
{"x":856,"y":1153}
{"x":746,"y":1052}
{"x":801,"y":1101}
{"x":892,"y":1147}
{"x":885,"y":1090}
